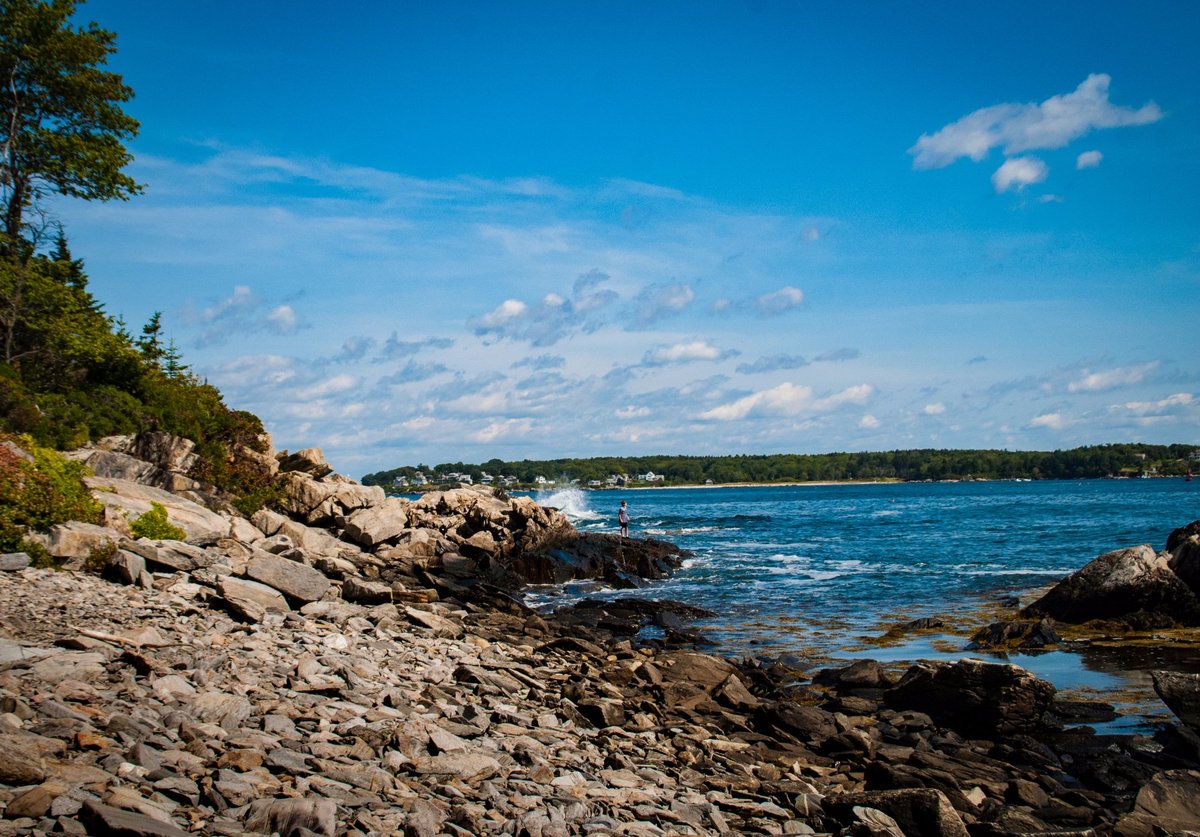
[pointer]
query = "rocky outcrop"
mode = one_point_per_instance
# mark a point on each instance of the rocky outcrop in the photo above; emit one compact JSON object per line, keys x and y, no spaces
{"x":1180,"y":691}
{"x":1136,"y":585}
{"x":974,"y":697}
{"x":125,"y":499}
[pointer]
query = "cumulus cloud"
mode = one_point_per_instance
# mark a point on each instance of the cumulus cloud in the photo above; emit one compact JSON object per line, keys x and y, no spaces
{"x":505,"y":429}
{"x":240,"y":313}
{"x":934,"y":409}
{"x":655,"y":302}
{"x":552,"y":318}
{"x":787,"y":399}
{"x":1112,"y":378}
{"x":1019,"y":172}
{"x":688,"y":352}
{"x":1020,"y":127}
{"x":632,"y":412}
{"x":777,"y":302}
{"x":868,"y":422}
{"x":1163,"y":405}
{"x":1052,"y":421}
{"x":772,"y":364}
{"x":1088,"y":160}
{"x":330,"y":386}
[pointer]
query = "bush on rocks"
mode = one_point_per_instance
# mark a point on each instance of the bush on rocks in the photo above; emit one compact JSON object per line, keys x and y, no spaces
{"x":38,"y":488}
{"x":154,"y":525}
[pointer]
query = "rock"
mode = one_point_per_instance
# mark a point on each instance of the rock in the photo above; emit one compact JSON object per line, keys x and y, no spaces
{"x":1180,"y":691}
{"x":366,"y":592}
{"x":1178,"y":536}
{"x":125,"y":566}
{"x":1185,"y":561}
{"x":864,"y":674}
{"x":226,"y":710}
{"x":78,"y":540}
{"x":1168,"y":804}
{"x":468,"y":767}
{"x":22,"y":763}
{"x":106,"y":820}
{"x":975,"y":698}
{"x":309,"y":461}
{"x":13,"y":561}
{"x":922,"y":812}
{"x":171,"y":453}
{"x":1016,"y":634}
{"x":803,"y":723}
{"x":1119,"y":584}
{"x":314,"y":815}
{"x":251,"y":599}
{"x":295,"y":580}
{"x":132,"y":500}
{"x":371,"y":527}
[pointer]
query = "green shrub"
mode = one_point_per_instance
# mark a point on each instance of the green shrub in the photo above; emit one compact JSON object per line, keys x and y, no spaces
{"x":34,"y":495}
{"x":153,"y":525}
{"x":99,"y":556}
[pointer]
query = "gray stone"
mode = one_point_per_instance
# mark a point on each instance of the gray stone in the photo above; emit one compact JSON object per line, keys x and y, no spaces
{"x":366,"y":592}
{"x":104,"y":819}
{"x":22,"y":763}
{"x":284,"y":816}
{"x":13,"y":561}
{"x":295,"y":580}
{"x":75,"y":539}
{"x":251,"y":599}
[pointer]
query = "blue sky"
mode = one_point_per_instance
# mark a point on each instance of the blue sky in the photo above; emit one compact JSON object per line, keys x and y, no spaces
{"x":434,"y":232}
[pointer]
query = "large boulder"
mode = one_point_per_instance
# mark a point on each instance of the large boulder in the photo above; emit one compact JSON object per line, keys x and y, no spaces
{"x":75,"y":539}
{"x":1167,"y":804}
{"x":975,"y":698}
{"x":131,"y":499}
{"x":295,"y":580}
{"x":1185,"y":560}
{"x":1180,"y":691}
{"x":377,"y":525}
{"x":1128,"y":583}
{"x":1181,"y":534}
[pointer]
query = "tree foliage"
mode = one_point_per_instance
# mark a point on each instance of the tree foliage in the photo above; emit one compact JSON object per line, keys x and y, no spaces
{"x":62,"y":125}
{"x":912,"y":465}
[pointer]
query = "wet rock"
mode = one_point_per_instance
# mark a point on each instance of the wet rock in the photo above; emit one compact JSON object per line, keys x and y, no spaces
{"x":1016,"y":634}
{"x":1117,"y":585}
{"x":1180,"y":691}
{"x":974,"y":697}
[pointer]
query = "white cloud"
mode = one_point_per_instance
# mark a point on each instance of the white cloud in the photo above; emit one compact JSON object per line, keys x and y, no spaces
{"x":685,"y":353}
{"x":1020,"y":127}
{"x":330,"y":386}
{"x":500,"y":430}
{"x":934,"y":409}
{"x":1018,"y":173}
{"x":1088,"y":160}
{"x":503,"y":314}
{"x":1112,"y":378}
{"x":868,"y":422}
{"x":777,"y":302}
{"x":658,"y":301}
{"x":632,"y":412}
{"x":787,"y":399}
{"x":1141,"y":408}
{"x":1053,"y":421}
{"x":283,"y":318}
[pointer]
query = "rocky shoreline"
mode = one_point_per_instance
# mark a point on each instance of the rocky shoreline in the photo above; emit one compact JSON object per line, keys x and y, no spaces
{"x":362,"y":665}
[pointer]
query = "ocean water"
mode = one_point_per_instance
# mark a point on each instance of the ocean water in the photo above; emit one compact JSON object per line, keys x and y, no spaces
{"x":818,"y":571}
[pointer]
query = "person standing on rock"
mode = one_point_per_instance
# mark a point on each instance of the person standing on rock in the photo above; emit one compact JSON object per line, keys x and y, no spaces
{"x":623,"y":519}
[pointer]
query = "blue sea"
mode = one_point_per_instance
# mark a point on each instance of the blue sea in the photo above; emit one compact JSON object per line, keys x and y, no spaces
{"x":820,"y":570}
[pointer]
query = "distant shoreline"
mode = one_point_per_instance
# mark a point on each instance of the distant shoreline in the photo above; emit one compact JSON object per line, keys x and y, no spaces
{"x":814,"y":483}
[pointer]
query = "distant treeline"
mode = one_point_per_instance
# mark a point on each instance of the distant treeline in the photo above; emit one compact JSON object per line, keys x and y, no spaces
{"x":910,"y":465}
